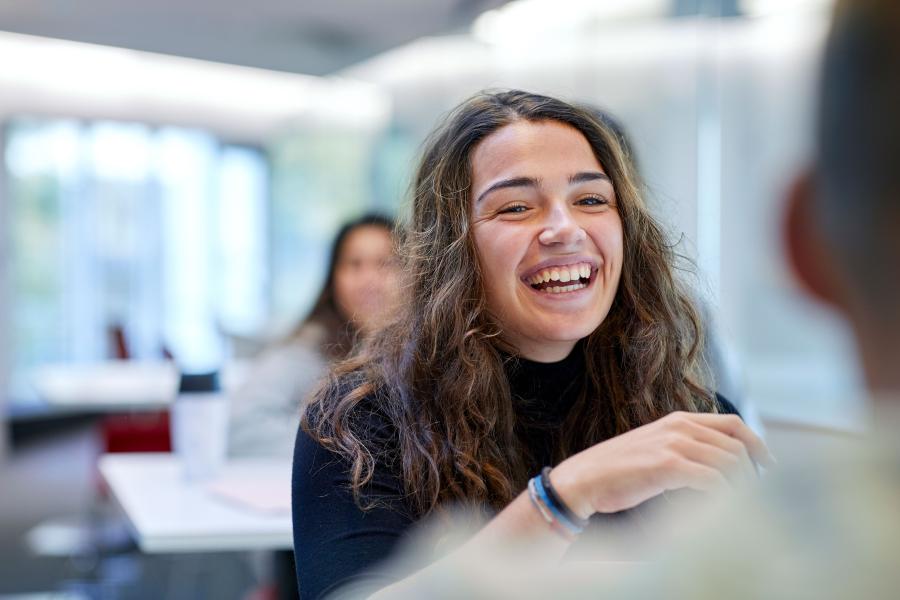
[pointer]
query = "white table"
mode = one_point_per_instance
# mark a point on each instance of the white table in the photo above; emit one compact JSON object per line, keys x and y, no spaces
{"x":116,"y":386}
{"x":168,"y":514}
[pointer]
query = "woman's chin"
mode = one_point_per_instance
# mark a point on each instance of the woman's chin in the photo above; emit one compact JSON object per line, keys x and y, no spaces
{"x":549,"y":344}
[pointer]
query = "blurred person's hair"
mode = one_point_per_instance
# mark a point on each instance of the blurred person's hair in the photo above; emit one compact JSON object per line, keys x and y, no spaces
{"x":337,"y":328}
{"x":857,"y":171}
{"x":437,"y":371}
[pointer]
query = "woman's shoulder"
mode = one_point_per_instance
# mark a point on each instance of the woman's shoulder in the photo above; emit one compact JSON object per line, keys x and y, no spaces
{"x":329,"y":446}
{"x":353,"y":403}
{"x":310,"y":335}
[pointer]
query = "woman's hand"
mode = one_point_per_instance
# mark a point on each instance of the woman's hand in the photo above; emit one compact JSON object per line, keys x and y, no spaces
{"x":681,"y":450}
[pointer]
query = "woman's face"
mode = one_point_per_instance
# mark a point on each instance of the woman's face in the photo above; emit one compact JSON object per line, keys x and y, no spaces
{"x":365,"y":276}
{"x":548,"y":235}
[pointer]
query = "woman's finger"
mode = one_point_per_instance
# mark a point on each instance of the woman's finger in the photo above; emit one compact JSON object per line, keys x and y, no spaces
{"x":686,"y":473}
{"x":733,"y":426}
{"x":725,"y":442}
{"x":735,"y":466}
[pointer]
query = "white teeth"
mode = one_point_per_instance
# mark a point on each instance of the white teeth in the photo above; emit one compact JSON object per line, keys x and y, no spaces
{"x":562,"y":274}
{"x":560,"y":289}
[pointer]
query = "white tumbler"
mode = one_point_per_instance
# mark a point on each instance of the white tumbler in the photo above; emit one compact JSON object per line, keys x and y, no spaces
{"x":199,"y":425}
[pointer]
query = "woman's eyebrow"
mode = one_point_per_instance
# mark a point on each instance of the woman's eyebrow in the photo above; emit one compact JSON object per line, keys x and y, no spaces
{"x":588,"y":176}
{"x":508,"y":183}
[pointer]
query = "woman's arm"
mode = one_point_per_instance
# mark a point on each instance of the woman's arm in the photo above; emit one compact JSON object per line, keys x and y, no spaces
{"x":681,"y":450}
{"x":335,"y":542}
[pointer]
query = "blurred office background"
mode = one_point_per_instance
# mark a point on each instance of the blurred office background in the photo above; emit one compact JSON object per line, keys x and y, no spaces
{"x":172,"y":175}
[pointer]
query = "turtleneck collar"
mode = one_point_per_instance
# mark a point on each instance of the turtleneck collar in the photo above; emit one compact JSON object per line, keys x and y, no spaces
{"x":543,"y":393}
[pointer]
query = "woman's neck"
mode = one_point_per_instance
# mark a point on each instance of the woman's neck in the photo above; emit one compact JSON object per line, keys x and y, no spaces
{"x":546,"y":352}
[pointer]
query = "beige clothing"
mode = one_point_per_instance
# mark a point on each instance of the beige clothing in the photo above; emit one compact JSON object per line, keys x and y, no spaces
{"x":264,"y":412}
{"x":820,"y":529}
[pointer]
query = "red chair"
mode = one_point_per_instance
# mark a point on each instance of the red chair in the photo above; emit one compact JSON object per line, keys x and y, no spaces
{"x":136,"y":432}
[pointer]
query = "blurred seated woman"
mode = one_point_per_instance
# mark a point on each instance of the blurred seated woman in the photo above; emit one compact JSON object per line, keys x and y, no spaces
{"x":540,"y":325}
{"x":359,"y":290}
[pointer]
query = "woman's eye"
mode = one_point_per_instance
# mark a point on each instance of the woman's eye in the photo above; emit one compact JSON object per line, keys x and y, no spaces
{"x":515,"y":208}
{"x":593,"y":201}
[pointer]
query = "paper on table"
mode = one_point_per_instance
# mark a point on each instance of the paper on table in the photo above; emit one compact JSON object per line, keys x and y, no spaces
{"x":268,"y":491}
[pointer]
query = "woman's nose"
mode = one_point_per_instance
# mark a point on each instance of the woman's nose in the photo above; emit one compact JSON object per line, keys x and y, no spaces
{"x":561,"y":228}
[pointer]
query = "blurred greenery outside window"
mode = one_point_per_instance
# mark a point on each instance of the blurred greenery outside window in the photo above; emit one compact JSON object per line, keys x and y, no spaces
{"x":159,"y":231}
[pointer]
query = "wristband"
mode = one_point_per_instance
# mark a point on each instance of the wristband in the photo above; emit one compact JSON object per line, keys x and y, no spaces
{"x":546,"y":513}
{"x":557,"y":501}
{"x":573,"y":528}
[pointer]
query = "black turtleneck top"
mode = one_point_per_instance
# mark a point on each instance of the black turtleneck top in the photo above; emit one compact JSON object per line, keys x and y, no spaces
{"x":336,"y":543}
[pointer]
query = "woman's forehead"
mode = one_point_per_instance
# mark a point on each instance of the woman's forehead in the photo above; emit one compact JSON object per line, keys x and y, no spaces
{"x":531,"y":149}
{"x":366,"y":239}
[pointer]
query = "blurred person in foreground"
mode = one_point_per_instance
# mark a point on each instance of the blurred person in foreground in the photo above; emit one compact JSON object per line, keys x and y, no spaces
{"x":823,"y":526}
{"x":828,"y":526}
{"x":541,"y":325}
{"x":359,"y":291}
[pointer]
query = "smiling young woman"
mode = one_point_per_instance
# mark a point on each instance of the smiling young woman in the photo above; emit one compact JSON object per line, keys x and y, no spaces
{"x":541,"y":325}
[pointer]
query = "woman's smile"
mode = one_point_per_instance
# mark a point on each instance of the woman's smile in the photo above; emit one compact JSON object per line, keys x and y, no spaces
{"x":562,"y":286}
{"x":562,"y":279}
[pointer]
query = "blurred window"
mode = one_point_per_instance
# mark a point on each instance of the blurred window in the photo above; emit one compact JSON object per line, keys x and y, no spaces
{"x":157,"y":231}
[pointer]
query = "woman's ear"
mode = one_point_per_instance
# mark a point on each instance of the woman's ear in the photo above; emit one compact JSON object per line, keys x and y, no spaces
{"x":809,"y":256}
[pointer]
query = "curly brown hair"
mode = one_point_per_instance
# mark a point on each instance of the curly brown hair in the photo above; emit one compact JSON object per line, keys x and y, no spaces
{"x":437,"y":373}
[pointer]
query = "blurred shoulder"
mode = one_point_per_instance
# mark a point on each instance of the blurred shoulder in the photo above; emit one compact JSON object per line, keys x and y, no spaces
{"x":311,"y":335}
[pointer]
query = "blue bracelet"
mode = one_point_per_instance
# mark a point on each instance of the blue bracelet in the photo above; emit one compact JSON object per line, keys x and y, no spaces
{"x":542,"y":508}
{"x":560,"y":504}
{"x":571,"y":527}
